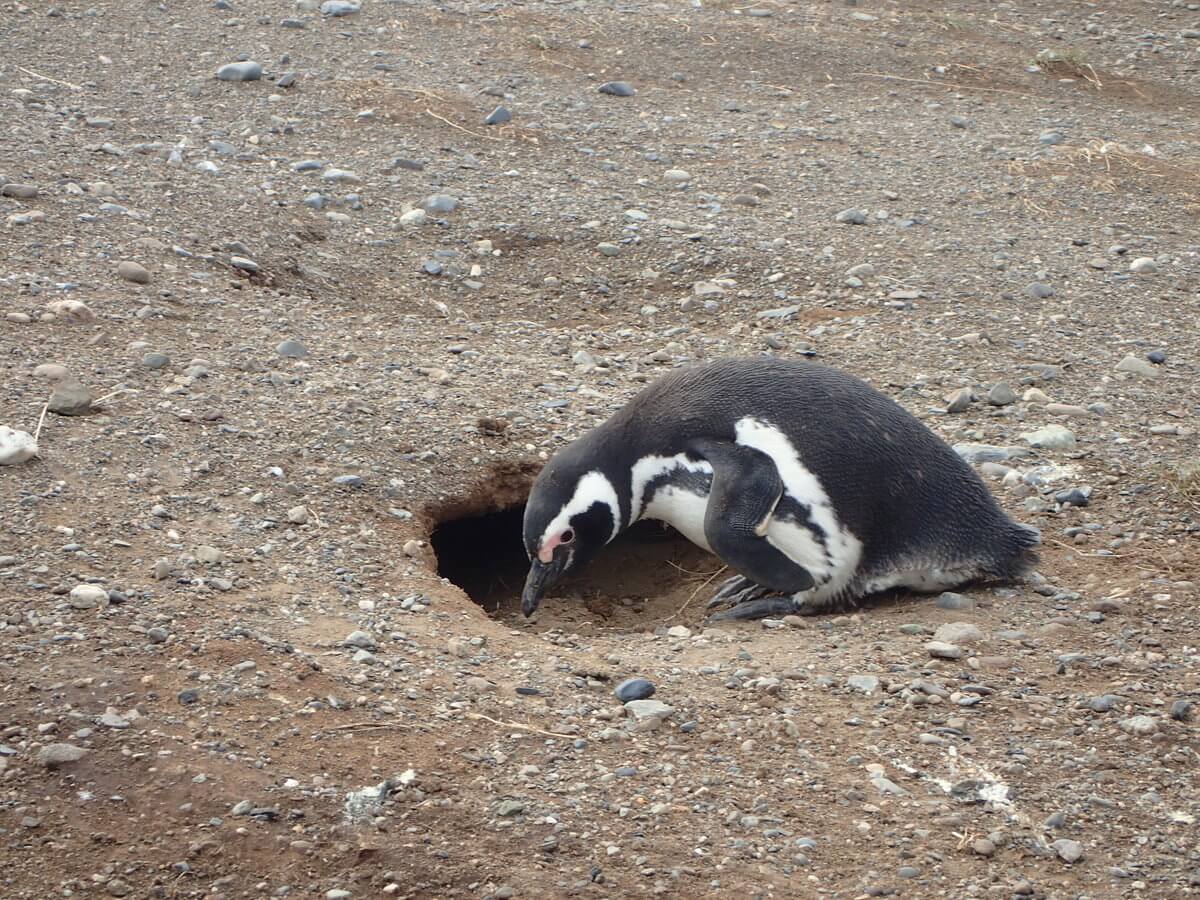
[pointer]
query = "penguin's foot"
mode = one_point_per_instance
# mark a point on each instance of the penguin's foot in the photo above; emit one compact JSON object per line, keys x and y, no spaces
{"x":776,"y":605}
{"x":737,"y":590}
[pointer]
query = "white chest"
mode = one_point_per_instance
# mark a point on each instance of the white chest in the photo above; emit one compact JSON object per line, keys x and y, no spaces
{"x":681,"y":509}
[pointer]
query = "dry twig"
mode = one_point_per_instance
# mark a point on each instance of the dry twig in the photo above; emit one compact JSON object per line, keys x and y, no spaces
{"x":66,"y":84}
{"x":475,"y":715}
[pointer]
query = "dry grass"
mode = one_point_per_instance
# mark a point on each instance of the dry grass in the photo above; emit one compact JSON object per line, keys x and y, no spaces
{"x":1067,"y":63}
{"x":1111,"y":165}
{"x":1185,"y":479}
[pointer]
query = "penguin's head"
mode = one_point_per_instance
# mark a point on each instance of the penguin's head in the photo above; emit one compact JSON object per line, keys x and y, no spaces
{"x":571,"y":513}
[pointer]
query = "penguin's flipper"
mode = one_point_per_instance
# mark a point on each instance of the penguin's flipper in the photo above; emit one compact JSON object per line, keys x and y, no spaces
{"x":746,"y":488}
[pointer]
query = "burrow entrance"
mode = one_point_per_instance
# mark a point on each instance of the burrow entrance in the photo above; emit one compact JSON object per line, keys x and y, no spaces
{"x":643,"y":577}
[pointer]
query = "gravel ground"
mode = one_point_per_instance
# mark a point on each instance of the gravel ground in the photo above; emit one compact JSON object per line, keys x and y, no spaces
{"x":303,"y":283}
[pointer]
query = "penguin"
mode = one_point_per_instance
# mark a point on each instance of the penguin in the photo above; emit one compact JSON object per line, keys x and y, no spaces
{"x":816,"y":489}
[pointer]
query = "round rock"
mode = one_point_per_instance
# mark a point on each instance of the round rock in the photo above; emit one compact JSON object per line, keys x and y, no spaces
{"x":634,"y":689}
{"x":133,"y":272}
{"x":240,"y":71}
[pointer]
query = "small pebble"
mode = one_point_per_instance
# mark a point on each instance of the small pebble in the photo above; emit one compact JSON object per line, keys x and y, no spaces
{"x":240,"y":71}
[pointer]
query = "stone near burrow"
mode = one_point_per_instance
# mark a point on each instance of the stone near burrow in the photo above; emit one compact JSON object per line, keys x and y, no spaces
{"x":1137,"y":366}
{"x":53,"y":756}
{"x":617,"y":89}
{"x":70,"y":398}
{"x":132,"y":272}
{"x":240,"y":71}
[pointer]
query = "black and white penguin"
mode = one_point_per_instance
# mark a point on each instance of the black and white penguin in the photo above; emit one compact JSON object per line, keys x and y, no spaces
{"x":814,"y":487}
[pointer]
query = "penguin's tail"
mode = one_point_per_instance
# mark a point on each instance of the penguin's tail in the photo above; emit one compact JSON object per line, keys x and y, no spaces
{"x":1018,"y":555}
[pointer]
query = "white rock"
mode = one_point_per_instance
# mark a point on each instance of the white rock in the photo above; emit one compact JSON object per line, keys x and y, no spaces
{"x":1050,"y":437}
{"x":16,"y":446}
{"x":87,"y":596}
{"x":641,"y":710}
{"x":1137,"y":366}
{"x":1140,"y":725}
{"x":679,"y":631}
{"x":73,"y":311}
{"x":958,"y":633}
{"x":1143,"y":265}
{"x":298,"y":515}
{"x":414,"y":217}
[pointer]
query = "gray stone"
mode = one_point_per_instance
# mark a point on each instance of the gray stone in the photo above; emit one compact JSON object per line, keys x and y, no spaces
{"x":498,"y":116}
{"x":19,"y":191}
{"x":959,"y":400}
{"x":1137,"y":366}
{"x":1039,"y":290}
{"x":338,"y":8}
{"x":1140,"y":725}
{"x":950,"y":600}
{"x":245,"y":264}
{"x":868,"y":684}
{"x":1068,"y":851}
{"x":508,"y":808}
{"x":240,"y":71}
{"x":1143,"y":265}
{"x":981,"y":453}
{"x":54,"y":755}
{"x":1001,"y":394}
{"x":439,"y":203}
{"x":70,"y":398}
{"x":360,"y":639}
{"x":942,"y":650}
{"x":133,"y":272}
{"x":958,"y":633}
{"x":617,"y":89}
{"x":156,"y":360}
{"x":634,"y":689}
{"x":292,"y":350}
{"x":851,"y":216}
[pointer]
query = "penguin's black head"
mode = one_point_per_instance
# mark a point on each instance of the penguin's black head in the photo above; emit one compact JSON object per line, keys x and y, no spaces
{"x":571,"y":513}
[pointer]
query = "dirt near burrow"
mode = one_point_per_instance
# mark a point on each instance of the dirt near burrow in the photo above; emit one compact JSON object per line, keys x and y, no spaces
{"x":308,"y":674}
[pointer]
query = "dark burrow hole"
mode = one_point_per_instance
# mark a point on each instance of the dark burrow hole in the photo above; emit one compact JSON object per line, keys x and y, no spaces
{"x":648,"y":573}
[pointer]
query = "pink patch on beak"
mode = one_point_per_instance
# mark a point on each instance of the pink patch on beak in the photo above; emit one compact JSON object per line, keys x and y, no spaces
{"x":546,"y":554}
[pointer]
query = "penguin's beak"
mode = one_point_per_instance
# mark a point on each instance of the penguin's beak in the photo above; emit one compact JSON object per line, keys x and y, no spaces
{"x":541,"y":576}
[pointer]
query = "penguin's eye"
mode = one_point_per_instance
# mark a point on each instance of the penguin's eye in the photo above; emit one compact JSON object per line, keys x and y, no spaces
{"x":566,"y":537}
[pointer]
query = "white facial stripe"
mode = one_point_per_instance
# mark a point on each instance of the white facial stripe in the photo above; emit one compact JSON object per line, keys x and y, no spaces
{"x":845,"y":549}
{"x":592,"y":488}
{"x":648,"y":468}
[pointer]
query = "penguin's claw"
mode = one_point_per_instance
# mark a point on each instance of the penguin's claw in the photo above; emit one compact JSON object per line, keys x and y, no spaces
{"x":737,"y":590}
{"x":761,"y":608}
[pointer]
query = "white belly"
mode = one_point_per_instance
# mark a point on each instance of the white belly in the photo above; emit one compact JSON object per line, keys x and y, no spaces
{"x":682,"y":510}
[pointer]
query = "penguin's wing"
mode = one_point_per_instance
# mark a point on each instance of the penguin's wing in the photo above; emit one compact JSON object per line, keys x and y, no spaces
{"x":746,"y":487}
